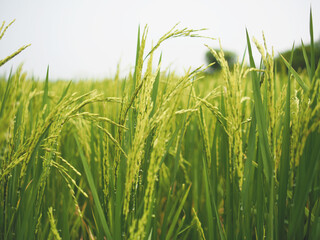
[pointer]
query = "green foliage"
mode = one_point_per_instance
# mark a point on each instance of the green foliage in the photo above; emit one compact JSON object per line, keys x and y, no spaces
{"x":156,"y":156}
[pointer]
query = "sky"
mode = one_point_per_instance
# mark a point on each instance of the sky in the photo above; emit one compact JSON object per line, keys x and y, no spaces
{"x":82,"y":39}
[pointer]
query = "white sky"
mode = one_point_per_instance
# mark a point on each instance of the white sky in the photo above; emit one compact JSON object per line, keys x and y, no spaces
{"x":87,"y":38}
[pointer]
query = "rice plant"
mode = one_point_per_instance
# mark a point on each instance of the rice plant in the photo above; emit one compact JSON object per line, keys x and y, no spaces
{"x":161,"y":156}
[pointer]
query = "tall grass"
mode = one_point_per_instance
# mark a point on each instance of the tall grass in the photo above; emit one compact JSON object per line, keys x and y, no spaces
{"x":157,"y":156}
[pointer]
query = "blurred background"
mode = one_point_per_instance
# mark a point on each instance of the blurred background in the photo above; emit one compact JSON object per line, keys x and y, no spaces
{"x":82,"y":39}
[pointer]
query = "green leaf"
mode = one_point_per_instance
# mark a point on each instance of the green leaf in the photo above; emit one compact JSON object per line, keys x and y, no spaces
{"x":313,"y":58}
{"x":155,"y":90}
{"x":45,"y":99}
{"x":261,"y":119}
{"x":296,"y":75}
{"x":177,"y":213}
{"x":93,"y":189}
{"x":65,"y":91}
{"x":305,"y":56}
{"x":248,"y":176}
{"x":137,"y":59}
{"x":284,"y":163}
{"x":6,"y":93}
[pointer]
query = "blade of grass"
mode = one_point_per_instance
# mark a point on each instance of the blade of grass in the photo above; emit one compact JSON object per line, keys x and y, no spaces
{"x":260,"y":202}
{"x":261,"y":121}
{"x":65,"y":91}
{"x":170,"y":206}
{"x":137,"y":58}
{"x":119,"y":198}
{"x":5,"y":96}
{"x":209,"y":207}
{"x":225,"y":168}
{"x":93,"y":189}
{"x":208,"y":189}
{"x":304,"y":86}
{"x":284,"y":162}
{"x":155,"y":90}
{"x":305,"y":56}
{"x":313,"y":58}
{"x":46,"y":89}
{"x":176,"y":216}
{"x":178,"y":230}
{"x":45,"y":99}
{"x":249,"y":170}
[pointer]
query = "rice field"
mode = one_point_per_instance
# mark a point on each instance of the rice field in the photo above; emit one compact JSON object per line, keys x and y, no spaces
{"x":233,"y":155}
